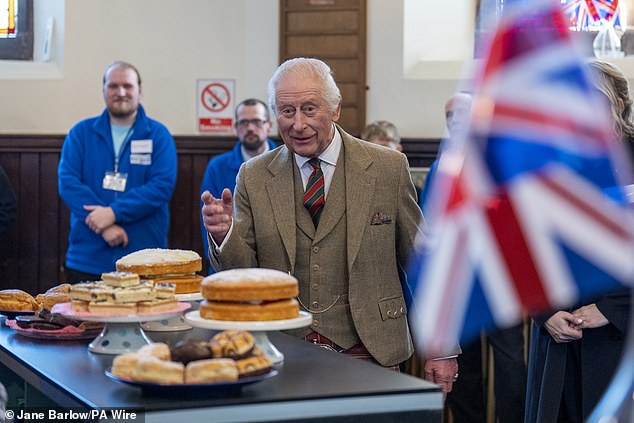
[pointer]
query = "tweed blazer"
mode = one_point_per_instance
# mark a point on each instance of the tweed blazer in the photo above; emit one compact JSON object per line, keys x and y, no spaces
{"x":382,"y":222}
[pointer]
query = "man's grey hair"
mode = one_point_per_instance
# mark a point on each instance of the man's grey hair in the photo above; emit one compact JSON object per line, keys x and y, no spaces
{"x":303,"y":68}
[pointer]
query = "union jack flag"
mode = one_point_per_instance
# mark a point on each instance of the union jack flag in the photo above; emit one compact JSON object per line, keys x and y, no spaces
{"x":519,"y":218}
{"x":587,"y":14}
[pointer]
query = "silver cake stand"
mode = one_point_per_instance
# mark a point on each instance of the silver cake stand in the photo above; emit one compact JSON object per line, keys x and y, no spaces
{"x":258,"y":329}
{"x":177,"y":323}
{"x":120,"y":334}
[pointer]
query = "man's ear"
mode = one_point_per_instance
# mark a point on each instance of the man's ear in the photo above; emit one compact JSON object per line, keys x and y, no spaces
{"x":337,"y":113}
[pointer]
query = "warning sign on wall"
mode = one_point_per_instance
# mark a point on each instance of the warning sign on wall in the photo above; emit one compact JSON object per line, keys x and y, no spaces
{"x":215,"y":105}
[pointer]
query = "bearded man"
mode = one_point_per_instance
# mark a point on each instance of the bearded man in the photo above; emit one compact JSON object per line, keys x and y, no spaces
{"x":252,"y":127}
{"x":116,"y":174}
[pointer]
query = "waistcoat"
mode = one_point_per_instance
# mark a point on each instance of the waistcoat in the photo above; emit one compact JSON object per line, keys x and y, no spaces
{"x":321,"y":264}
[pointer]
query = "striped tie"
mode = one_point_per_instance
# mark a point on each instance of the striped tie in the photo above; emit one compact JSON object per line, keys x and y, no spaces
{"x":314,"y":195}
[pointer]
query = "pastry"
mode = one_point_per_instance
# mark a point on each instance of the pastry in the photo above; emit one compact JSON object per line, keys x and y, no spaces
{"x":134,"y":294}
{"x":57,"y":318}
{"x":211,"y":371}
{"x":158,"y":261}
{"x":79,"y":305}
{"x":124,"y":365}
{"x":232,"y":344}
{"x":156,"y":305}
{"x":49,"y":299}
{"x":45,"y":320}
{"x":190,"y":350}
{"x":159,"y":350}
{"x":244,"y":311}
{"x":164,"y":290}
{"x":63,"y":288}
{"x":249,"y":285}
{"x":112,"y":309}
{"x":36,"y":322}
{"x":253,"y":366}
{"x":120,"y":278}
{"x":17,"y":300}
{"x":151,"y":369}
{"x":143,"y":297}
{"x":83,"y":291}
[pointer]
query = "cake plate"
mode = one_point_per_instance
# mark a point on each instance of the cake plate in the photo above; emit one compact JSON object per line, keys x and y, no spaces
{"x":120,"y":333}
{"x":259,"y":329}
{"x":177,"y":323}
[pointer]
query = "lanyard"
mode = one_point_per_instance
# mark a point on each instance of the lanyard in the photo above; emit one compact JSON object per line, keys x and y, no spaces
{"x":127,"y":137}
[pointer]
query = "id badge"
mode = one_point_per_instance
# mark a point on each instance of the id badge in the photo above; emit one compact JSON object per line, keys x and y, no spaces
{"x":115,"y":181}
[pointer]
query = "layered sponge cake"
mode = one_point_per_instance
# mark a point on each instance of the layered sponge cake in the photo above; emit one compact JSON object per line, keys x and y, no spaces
{"x":160,"y":265}
{"x":159,"y":261}
{"x":249,"y":295}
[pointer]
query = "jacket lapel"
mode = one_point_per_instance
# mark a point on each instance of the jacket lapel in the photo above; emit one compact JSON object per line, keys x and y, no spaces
{"x":360,"y":183}
{"x":281,"y":194}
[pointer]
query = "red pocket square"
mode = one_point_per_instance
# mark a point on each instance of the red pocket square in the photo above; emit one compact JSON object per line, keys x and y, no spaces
{"x":380,"y":219}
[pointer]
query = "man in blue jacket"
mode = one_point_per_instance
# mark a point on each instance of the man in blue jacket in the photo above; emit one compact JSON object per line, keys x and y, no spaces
{"x":252,"y":127}
{"x":116,"y":175}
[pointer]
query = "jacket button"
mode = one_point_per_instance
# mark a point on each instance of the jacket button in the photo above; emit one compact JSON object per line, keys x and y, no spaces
{"x":315,"y":304}
{"x":402,"y":310}
{"x":315,"y":268}
{"x":315,"y":249}
{"x":390,"y":313}
{"x":316,"y":323}
{"x":315,"y":287}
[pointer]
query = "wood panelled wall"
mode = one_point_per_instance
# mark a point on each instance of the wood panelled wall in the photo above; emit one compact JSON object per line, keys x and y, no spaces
{"x":32,"y":249}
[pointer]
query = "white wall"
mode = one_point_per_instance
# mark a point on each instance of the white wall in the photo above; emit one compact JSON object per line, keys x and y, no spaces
{"x":214,"y":39}
{"x":415,"y":104}
{"x":235,"y":39}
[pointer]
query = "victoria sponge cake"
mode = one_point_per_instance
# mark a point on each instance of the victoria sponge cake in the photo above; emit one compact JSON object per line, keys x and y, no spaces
{"x":159,"y":261}
{"x":249,"y":294}
{"x":249,"y":285}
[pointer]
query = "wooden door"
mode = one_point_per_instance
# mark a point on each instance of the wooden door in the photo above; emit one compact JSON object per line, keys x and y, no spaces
{"x":333,"y":31}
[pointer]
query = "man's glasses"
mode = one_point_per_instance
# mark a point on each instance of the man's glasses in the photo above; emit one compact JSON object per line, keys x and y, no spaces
{"x":244,"y":123}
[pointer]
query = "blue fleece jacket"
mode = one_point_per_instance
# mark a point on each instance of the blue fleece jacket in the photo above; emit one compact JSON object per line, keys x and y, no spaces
{"x":142,"y":210}
{"x":221,"y":173}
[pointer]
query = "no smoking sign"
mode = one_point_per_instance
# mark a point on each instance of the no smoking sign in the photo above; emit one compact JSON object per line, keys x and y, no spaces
{"x":215,"y":105}
{"x":215,"y":97}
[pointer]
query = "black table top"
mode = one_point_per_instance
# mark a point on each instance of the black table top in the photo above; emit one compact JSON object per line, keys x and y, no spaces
{"x":74,"y":377}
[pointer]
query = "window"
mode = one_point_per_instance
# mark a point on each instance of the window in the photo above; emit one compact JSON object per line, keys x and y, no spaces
{"x":8,"y":16}
{"x":586,"y":18}
{"x":16,"y":29}
{"x":487,"y":14}
{"x":590,"y":15}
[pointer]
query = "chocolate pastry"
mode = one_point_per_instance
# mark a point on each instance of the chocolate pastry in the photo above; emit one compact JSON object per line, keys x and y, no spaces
{"x":36,"y":322}
{"x":45,"y":326}
{"x":25,"y":322}
{"x":190,"y":350}
{"x":57,"y":318}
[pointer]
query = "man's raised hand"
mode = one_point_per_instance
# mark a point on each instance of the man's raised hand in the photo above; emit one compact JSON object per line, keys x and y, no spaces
{"x":216,"y":214}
